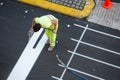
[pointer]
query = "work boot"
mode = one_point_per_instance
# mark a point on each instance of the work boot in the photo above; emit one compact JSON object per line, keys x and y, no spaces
{"x":51,"y":48}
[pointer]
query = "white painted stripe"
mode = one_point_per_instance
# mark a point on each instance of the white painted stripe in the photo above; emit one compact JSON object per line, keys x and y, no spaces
{"x":28,"y":58}
{"x":56,"y":78}
{"x":111,"y":51}
{"x":90,"y":75}
{"x":108,"y":50}
{"x":74,"y":52}
{"x":98,"y":31}
{"x":96,"y":60}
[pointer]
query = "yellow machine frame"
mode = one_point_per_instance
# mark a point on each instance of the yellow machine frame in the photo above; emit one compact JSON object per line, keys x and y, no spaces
{"x":61,"y":8}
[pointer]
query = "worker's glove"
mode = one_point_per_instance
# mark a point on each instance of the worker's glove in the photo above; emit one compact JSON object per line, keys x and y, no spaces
{"x":54,"y":31}
{"x":30,"y":34}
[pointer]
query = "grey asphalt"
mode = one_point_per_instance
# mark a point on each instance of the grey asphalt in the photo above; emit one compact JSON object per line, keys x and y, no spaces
{"x":15,"y":21}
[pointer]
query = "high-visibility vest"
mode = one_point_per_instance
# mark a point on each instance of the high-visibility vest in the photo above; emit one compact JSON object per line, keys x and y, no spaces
{"x":45,"y":20}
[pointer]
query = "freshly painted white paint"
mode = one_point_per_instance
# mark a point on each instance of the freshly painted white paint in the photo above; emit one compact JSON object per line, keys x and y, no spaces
{"x":28,"y":57}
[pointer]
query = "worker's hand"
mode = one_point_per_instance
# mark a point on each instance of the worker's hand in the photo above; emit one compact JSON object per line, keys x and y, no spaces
{"x":54,"y":22}
{"x":30,"y":33}
{"x":54,"y":31}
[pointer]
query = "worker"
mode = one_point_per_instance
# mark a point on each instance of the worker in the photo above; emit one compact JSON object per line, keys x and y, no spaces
{"x":50,"y":23}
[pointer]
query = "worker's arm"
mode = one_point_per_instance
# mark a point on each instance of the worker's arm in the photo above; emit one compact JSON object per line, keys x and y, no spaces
{"x":31,"y":32}
{"x":54,"y":23}
{"x":33,"y":23}
{"x":31,"y":29}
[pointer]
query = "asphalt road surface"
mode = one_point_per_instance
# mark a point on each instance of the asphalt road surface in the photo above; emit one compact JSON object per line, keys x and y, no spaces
{"x":90,"y":50}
